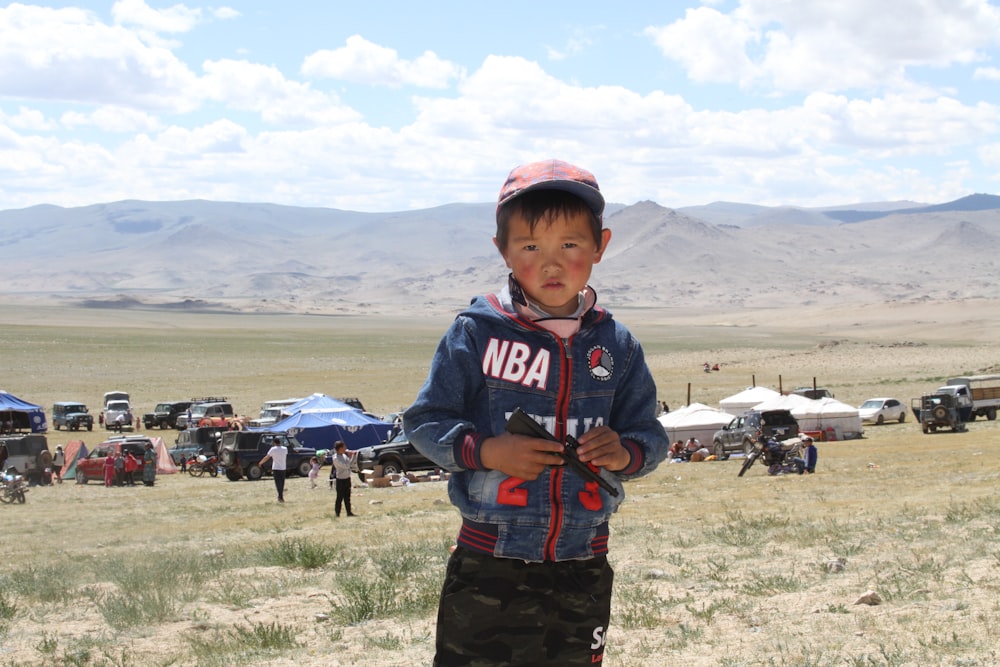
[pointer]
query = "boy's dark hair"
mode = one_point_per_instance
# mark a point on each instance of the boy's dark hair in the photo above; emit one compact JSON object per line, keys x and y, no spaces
{"x":542,"y":206}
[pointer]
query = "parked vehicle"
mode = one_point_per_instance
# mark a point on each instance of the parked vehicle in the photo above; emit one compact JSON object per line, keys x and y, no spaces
{"x":92,"y":466}
{"x":194,"y":441}
{"x":27,"y":454}
{"x":72,"y":415}
{"x":781,"y":458}
{"x":978,"y":395}
{"x":240,"y":453}
{"x":813,"y":392}
{"x":116,"y":403}
{"x":395,"y":456}
{"x":940,"y":410}
{"x":12,"y":487}
{"x":218,"y":409}
{"x":270,"y":412}
{"x":750,"y":427}
{"x":880,"y":410}
{"x":204,"y":464}
{"x":164,"y":415}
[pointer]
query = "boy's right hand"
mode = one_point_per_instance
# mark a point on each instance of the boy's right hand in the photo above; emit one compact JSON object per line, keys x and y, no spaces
{"x":520,"y":456}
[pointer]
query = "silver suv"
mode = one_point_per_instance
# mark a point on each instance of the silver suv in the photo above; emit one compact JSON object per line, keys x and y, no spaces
{"x":751,"y":426}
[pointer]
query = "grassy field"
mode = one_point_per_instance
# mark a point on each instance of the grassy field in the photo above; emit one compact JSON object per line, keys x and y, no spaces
{"x":711,"y":569}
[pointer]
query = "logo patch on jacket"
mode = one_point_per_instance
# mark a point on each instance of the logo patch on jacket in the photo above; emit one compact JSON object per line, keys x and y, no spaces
{"x":600,"y":362}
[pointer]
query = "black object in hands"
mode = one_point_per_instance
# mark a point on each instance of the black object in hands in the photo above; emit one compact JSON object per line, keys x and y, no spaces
{"x":520,"y":423}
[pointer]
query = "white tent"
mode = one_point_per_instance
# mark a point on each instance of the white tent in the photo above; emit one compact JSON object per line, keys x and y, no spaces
{"x":694,"y":421}
{"x":836,"y":420}
{"x":739,"y":403}
{"x":790,"y":402}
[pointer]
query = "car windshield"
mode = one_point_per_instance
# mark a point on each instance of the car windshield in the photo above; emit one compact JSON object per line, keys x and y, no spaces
{"x":75,"y":408}
{"x":872,"y":404}
{"x":118,"y":405}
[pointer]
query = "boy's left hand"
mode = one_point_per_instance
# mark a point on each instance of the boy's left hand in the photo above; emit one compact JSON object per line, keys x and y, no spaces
{"x":602,"y":447}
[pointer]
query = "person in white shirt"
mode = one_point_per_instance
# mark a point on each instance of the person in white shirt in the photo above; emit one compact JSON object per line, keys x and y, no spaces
{"x":278,"y":455}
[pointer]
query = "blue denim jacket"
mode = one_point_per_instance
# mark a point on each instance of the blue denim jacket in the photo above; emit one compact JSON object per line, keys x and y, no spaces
{"x":490,"y":362}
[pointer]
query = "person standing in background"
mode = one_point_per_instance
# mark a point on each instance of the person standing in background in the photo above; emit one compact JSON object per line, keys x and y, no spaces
{"x":342,"y":475}
{"x":278,"y":456}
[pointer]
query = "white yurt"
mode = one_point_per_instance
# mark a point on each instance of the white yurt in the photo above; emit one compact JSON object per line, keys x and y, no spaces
{"x":697,"y":421}
{"x":790,"y":402}
{"x":739,"y":403}
{"x":834,"y":419}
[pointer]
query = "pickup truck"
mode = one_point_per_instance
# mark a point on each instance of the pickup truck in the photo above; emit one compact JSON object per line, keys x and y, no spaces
{"x":978,"y":395}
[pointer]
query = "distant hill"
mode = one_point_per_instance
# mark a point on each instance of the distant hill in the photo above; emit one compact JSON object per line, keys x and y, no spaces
{"x":976,"y":202}
{"x":247,"y":257}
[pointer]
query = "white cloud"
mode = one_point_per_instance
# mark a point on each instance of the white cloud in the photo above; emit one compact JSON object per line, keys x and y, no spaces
{"x":68,"y":55}
{"x":987,"y":74}
{"x":29,"y":119}
{"x":806,"y":46}
{"x":265,"y":90}
{"x":361,"y":61}
{"x":177,"y":18}
{"x":112,"y":119}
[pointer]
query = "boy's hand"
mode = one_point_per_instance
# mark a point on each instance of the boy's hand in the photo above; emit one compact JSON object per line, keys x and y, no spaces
{"x":520,"y":456}
{"x":602,"y":447}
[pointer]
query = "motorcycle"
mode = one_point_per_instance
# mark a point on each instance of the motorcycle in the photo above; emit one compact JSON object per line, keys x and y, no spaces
{"x":781,"y":458}
{"x":13,"y":488}
{"x":202,"y":464}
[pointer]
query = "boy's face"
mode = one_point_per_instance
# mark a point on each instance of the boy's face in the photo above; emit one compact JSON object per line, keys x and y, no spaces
{"x":553,"y":263}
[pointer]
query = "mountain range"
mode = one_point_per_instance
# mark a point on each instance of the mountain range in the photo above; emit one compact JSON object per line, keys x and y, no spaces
{"x":246,"y":257}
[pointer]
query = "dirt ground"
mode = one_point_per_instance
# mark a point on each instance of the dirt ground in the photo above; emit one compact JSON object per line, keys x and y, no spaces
{"x":874,"y":502}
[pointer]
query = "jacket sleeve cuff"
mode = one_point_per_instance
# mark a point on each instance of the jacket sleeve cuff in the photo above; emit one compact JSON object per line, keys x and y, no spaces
{"x":637,"y":459}
{"x":468,"y":450}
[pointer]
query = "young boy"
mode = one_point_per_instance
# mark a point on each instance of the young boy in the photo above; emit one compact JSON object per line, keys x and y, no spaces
{"x":529,"y":582}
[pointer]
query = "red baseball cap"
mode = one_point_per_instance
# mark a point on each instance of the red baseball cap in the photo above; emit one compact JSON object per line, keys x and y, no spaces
{"x":553,"y":175}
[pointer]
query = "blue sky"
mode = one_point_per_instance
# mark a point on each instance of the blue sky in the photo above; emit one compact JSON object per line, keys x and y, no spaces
{"x":383,"y":106}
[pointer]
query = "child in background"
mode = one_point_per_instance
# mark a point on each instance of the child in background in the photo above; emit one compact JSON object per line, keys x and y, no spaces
{"x":313,"y":471}
{"x":529,"y":582}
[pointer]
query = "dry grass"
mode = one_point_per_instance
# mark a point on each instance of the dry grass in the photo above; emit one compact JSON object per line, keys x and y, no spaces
{"x":711,"y":569}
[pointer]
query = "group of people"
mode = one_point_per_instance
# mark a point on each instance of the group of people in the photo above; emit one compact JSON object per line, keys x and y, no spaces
{"x":120,"y":468}
{"x":340,"y":472}
{"x":692,"y":450}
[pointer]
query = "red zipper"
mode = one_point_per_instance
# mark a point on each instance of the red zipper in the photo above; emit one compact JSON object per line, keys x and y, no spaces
{"x":556,"y":474}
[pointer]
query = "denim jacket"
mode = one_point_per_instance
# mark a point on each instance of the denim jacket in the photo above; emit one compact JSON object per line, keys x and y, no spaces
{"x":490,"y":362}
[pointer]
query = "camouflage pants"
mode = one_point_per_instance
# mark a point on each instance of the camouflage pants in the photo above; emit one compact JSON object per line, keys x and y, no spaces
{"x":500,"y":611}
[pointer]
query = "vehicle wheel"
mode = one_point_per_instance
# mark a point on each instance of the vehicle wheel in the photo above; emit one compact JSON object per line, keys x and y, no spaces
{"x":57,"y":427}
{"x":902,"y":416}
{"x":164,"y":425}
{"x":304,"y":468}
{"x":748,"y":461}
{"x":233,"y":474}
{"x":90,"y":427}
{"x":940,"y":413}
{"x":720,"y":451}
{"x":213,"y":470}
{"x":20,"y":496}
{"x":391,"y":467}
{"x":748,"y":447}
{"x":991,"y":414}
{"x":880,"y":420}
{"x":196,"y":470}
{"x":254,"y":472}
{"x":6,"y":497}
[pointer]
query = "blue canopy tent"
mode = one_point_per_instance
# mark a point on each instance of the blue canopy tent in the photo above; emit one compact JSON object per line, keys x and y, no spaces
{"x":18,"y":415}
{"x":319,"y":429}
{"x":317,"y":403}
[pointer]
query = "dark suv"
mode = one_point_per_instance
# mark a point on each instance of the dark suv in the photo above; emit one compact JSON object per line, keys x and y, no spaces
{"x":746,"y":429}
{"x":395,"y":456}
{"x":240,"y":453}
{"x":164,"y":415}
